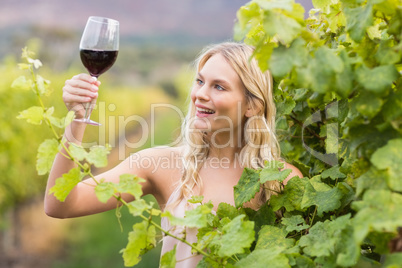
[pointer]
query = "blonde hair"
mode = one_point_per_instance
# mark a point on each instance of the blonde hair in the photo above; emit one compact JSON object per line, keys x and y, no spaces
{"x":259,"y":141}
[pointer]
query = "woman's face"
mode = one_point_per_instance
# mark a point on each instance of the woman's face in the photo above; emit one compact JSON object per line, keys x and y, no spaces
{"x":219,"y":98}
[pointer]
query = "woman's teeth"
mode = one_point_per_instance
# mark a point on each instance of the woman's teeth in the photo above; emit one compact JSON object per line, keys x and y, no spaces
{"x":205,"y":111}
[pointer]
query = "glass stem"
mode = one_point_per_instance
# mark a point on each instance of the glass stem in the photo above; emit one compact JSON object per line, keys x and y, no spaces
{"x":88,"y":105}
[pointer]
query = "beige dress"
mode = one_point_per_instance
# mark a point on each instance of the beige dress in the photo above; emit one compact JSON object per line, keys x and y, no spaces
{"x":184,"y":258}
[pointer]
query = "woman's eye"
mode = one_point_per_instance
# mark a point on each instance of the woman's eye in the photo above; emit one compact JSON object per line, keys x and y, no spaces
{"x":218,"y":87}
{"x":199,"y":82}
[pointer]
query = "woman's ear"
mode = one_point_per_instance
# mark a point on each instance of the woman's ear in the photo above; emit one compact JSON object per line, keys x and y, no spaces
{"x":252,"y":110}
{"x":249,"y":112}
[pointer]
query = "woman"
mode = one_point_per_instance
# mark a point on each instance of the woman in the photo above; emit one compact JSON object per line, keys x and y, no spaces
{"x":229,"y":126}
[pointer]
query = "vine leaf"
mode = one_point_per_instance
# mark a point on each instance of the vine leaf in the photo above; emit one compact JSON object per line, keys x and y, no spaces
{"x":262,"y":258}
{"x":196,"y":199}
{"x":271,"y":173}
{"x":66,"y":183}
{"x":104,"y":191}
{"x":46,"y":154}
{"x":131,"y":184}
{"x":247,"y":187}
{"x":294,"y":223}
{"x":389,"y":157}
{"x":33,"y":115}
{"x":272,"y":237}
{"x":197,"y":217}
{"x":168,"y":259}
{"x":373,"y":178}
{"x":358,"y":19}
{"x":22,"y":82}
{"x":380,"y":210}
{"x":237,"y":235}
{"x":98,"y":156}
{"x":377,"y":79}
{"x":137,"y":207}
{"x":333,"y":173}
{"x":324,"y":200}
{"x":292,"y":195}
{"x":227,"y":210}
{"x":283,"y":27}
{"x":324,"y":236}
{"x":140,"y":240}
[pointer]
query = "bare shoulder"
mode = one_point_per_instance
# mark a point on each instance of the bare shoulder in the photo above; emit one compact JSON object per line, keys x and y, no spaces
{"x":158,"y":163}
{"x":295,"y":172}
{"x":155,"y":155}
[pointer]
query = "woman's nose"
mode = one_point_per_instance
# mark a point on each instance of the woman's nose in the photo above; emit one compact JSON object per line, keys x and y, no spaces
{"x":202,"y":93}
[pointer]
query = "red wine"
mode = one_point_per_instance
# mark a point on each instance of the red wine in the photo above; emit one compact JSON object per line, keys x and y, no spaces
{"x":98,"y":61}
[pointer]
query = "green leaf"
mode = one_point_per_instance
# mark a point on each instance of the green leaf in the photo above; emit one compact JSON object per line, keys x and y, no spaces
{"x":140,"y":240}
{"x":298,"y":260}
{"x":379,"y":210}
{"x":329,"y":59}
{"x":324,"y":200}
{"x":377,"y":79}
{"x":104,"y":191}
{"x":247,"y":13}
{"x":292,"y":195}
{"x":358,"y":19}
{"x":98,"y":156}
{"x":66,"y":183}
{"x":389,"y":157}
{"x":247,"y":187}
{"x":272,"y":237}
{"x":283,"y":59}
{"x":263,"y":258}
{"x":61,"y":122}
{"x":168,"y":259}
{"x":77,"y":151}
{"x":373,"y":178}
{"x":236,"y":236}
{"x":196,"y":199}
{"x":275,"y":4}
{"x":269,"y":173}
{"x":24,"y":66}
{"x":393,"y":260}
{"x":294,"y":223}
{"x":43,"y":85}
{"x":285,"y":106}
{"x":263,"y":216}
{"x":130,"y":184}
{"x":386,"y":54}
{"x":285,"y":28}
{"x":22,"y":83}
{"x":333,"y":173}
{"x":68,"y":118}
{"x":368,"y":104}
{"x":46,"y":153}
{"x":227,"y":210}
{"x":322,"y":4}
{"x":137,"y":207}
{"x":198,"y":217}
{"x":323,"y":237}
{"x":33,"y":115}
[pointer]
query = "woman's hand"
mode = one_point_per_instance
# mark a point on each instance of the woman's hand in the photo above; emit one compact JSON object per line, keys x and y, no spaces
{"x":80,"y":89}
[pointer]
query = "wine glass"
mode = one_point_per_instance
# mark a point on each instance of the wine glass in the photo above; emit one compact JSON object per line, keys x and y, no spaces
{"x":99,"y":47}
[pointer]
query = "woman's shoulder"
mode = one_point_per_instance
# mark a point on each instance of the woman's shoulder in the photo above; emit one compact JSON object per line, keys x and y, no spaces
{"x":158,"y":151}
{"x":294,"y":172}
{"x":157,"y":159}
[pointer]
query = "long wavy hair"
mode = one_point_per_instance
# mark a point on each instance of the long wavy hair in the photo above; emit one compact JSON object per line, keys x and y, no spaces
{"x":259,"y":141}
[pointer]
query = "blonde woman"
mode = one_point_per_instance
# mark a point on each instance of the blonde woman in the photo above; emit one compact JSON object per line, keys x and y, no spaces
{"x":229,"y":126}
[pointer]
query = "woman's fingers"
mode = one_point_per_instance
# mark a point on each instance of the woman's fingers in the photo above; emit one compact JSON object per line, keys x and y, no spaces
{"x":81,"y":88}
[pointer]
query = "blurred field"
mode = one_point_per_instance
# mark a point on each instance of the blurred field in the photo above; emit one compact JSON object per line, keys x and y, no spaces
{"x":28,"y":238}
